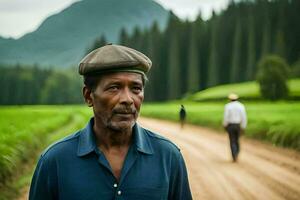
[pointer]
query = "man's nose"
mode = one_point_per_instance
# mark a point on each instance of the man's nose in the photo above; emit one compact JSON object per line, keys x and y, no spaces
{"x":126,"y":96}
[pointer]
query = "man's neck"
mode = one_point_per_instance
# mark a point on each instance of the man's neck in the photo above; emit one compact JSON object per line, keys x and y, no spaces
{"x":114,"y":145}
{"x":107,"y":138}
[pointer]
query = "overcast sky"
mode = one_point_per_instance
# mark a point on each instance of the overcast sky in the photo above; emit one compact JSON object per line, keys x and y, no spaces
{"x":18,"y":17}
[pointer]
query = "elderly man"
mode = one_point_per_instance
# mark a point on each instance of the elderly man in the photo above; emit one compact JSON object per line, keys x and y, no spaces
{"x":112,"y":157}
{"x":235,"y":120}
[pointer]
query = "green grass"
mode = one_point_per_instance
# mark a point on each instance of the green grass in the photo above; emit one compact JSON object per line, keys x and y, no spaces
{"x":277,"y":122}
{"x":247,"y":90}
{"x":24,"y":132}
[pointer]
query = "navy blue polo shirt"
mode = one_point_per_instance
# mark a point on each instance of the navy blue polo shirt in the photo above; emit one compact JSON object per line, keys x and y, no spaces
{"x":75,"y":169}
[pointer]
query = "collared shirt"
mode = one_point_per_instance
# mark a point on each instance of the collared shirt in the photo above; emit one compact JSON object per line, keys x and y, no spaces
{"x":235,"y":113}
{"x":75,"y":169}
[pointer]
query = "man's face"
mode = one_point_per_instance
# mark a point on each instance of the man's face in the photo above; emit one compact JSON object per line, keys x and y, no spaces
{"x":117,"y":100}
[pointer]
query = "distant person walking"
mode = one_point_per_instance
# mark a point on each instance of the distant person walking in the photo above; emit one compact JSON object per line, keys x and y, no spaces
{"x":235,"y":121}
{"x":182,"y":116}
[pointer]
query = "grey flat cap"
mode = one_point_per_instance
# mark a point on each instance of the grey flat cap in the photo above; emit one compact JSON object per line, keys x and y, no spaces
{"x":114,"y":58}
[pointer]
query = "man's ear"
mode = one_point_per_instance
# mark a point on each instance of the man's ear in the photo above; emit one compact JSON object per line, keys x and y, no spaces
{"x":87,"y":94}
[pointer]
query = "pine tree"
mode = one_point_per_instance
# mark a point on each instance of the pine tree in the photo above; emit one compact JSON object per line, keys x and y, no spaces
{"x":193,"y":75}
{"x":213,"y":75}
{"x":136,"y":41}
{"x":279,"y":47}
{"x":124,"y":38}
{"x":265,"y":49}
{"x":279,"y":44}
{"x":5,"y":82}
{"x":236,"y":54}
{"x":173,"y":78}
{"x":153,"y":51}
{"x":250,"y":68}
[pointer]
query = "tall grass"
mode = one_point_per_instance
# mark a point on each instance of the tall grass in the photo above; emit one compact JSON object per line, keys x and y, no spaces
{"x":24,"y":129}
{"x":24,"y":132}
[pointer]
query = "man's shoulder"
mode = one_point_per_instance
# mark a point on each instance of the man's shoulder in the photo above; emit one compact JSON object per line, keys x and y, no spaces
{"x":234,"y":104}
{"x":160,"y":140}
{"x":228,"y":104}
{"x":240,"y":105}
{"x":61,"y":145}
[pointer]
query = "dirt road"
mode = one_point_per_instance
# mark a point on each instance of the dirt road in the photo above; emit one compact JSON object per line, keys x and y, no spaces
{"x":262,"y":172}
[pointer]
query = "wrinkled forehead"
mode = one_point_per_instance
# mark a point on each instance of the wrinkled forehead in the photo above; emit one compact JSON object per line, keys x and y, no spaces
{"x":132,"y":77}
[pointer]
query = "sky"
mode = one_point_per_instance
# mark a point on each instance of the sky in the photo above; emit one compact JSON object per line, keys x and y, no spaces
{"x":18,"y":17}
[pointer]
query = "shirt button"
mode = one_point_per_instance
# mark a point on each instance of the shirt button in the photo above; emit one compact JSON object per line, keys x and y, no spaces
{"x":119,"y":192}
{"x":115,"y":185}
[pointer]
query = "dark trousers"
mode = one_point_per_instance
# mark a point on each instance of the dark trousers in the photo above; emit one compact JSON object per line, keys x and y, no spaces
{"x":234,"y":134}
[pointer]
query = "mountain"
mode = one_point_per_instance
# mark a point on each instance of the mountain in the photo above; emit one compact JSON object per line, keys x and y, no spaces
{"x":62,"y":39}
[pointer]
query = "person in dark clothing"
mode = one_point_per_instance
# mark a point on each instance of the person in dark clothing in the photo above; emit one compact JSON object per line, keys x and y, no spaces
{"x":234,"y":134}
{"x":182,"y":116}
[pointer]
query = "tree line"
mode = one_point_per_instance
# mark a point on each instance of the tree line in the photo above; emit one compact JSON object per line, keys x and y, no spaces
{"x":187,"y":56}
{"x":35,"y":85}
{"x":191,"y":56}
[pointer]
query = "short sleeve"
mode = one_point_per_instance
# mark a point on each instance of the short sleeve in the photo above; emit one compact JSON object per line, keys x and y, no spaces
{"x":226,"y":116}
{"x":179,"y":183}
{"x":244,"y":118}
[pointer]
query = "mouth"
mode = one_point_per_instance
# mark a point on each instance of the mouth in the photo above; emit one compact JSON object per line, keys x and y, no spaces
{"x":125,"y":115}
{"x":129,"y":111}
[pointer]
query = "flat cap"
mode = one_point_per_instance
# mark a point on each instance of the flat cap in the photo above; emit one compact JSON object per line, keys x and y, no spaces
{"x":114,"y":58}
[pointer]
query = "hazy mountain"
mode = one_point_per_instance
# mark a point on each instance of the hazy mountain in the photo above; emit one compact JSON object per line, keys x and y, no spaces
{"x":63,"y":38}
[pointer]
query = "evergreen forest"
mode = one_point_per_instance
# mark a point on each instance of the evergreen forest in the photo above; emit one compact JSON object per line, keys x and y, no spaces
{"x":187,"y":56}
{"x":192,"y":56}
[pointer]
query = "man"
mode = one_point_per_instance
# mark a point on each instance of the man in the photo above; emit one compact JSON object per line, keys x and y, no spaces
{"x":112,"y":157}
{"x":182,"y":116}
{"x":235,"y":121}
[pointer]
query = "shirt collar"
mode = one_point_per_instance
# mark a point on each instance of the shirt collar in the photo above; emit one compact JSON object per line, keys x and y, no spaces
{"x":142,"y":140}
{"x":87,"y":141}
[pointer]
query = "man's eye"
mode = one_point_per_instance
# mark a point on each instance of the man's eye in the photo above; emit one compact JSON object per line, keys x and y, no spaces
{"x":137,"y":89}
{"x":113,"y":88}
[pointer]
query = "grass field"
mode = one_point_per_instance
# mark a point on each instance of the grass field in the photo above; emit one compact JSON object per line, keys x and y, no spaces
{"x":24,"y":131}
{"x":274,"y":122}
{"x":248,"y":90}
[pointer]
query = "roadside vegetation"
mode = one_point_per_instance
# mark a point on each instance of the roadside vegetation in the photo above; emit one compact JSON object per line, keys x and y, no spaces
{"x":25,"y":131}
{"x":277,"y":122}
{"x":273,"y":121}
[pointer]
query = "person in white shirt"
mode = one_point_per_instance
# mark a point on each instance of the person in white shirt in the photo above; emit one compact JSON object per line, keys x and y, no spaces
{"x":235,"y":121}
